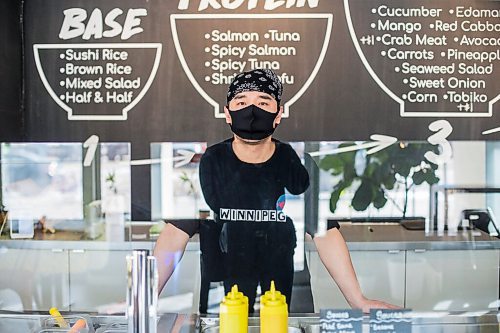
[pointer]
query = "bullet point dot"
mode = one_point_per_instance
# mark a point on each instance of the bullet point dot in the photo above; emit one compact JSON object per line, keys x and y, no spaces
{"x":61,"y":97}
{"x":373,"y":25}
{"x":405,"y":81}
{"x":62,"y":56}
{"x":382,"y":53}
{"x":374,"y":10}
{"x":378,"y":38}
{"x":207,"y":49}
{"x":207,"y":78}
{"x":61,"y":70}
{"x":451,"y":11}
{"x":207,"y":36}
{"x":266,"y":36}
{"x":445,"y":96}
{"x":431,"y":26}
{"x":443,"y":54}
{"x":404,"y":96}
{"x":396,"y":69}
{"x":62,"y":83}
{"x":456,"y":39}
{"x":207,"y":63}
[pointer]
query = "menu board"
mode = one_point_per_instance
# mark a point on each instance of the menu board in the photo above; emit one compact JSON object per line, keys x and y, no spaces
{"x":341,"y":321}
{"x":436,"y":60}
{"x":390,"y":321}
{"x":98,"y":81}
{"x":148,"y":71}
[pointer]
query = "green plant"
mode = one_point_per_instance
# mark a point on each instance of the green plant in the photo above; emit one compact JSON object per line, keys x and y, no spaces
{"x":401,"y":165}
{"x":186,"y":179}
{"x":3,"y":217}
{"x":3,"y":209}
{"x":111,"y":181}
{"x":189,"y":182}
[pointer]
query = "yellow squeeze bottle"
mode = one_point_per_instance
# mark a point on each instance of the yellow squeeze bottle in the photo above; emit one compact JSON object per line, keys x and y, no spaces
{"x":233,"y":314}
{"x":59,"y":319}
{"x":273,"y":312}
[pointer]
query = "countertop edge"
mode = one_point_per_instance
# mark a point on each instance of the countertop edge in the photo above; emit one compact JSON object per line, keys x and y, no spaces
{"x":57,"y":246}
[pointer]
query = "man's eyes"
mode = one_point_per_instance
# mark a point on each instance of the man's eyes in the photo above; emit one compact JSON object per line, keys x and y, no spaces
{"x":262,"y":103}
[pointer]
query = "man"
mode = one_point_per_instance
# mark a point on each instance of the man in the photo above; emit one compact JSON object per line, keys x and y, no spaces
{"x":243,"y":180}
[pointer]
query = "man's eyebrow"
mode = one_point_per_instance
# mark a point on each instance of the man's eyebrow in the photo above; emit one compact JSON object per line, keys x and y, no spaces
{"x":240,"y":96}
{"x":265,"y":97}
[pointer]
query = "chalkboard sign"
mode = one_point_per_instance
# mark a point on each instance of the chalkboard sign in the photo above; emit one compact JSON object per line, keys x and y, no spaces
{"x":390,"y":321}
{"x":145,"y":71}
{"x":341,"y":321}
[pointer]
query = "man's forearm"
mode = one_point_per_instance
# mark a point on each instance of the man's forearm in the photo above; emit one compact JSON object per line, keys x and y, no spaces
{"x":335,"y":256}
{"x":168,"y":251}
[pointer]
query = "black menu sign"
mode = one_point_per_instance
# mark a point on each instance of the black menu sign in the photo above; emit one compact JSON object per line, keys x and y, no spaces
{"x":341,"y":321}
{"x":240,"y":42}
{"x":152,"y":70}
{"x":390,"y":321}
{"x":439,"y":59}
{"x":98,"y":81}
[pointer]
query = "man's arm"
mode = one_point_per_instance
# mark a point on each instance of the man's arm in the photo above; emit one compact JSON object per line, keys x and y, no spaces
{"x":168,"y":251}
{"x":334,"y":254}
{"x":209,"y":181}
{"x":295,"y":175}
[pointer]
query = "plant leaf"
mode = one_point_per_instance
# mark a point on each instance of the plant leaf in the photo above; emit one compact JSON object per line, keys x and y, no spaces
{"x":380,"y":200}
{"x":419,"y":177}
{"x":332,"y":162}
{"x":363,"y":196}
{"x":432,"y":179}
{"x":334,"y":199}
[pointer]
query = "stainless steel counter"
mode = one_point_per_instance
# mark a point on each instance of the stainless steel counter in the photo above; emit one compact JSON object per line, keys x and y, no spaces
{"x":431,"y":322}
{"x":392,"y":236}
{"x":423,"y":322}
{"x":359,"y":237}
{"x":32,"y":323}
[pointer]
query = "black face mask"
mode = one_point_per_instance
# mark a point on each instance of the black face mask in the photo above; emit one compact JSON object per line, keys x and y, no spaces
{"x":252,"y":123}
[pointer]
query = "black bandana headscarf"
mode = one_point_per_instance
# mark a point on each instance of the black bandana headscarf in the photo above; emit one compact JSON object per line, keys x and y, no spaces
{"x":263,"y":80}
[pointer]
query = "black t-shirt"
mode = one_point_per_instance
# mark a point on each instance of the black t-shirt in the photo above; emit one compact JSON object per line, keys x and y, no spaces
{"x":248,"y":199}
{"x":229,"y":183}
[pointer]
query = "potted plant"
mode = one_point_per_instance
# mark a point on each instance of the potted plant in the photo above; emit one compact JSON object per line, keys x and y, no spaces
{"x":111,"y":181}
{"x":3,"y":217}
{"x":189,"y":182}
{"x":3,"y":212}
{"x":376,"y":177}
{"x":114,"y":210}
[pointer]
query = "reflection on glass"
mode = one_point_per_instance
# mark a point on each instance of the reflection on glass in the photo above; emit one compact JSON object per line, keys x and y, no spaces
{"x":175,"y":180}
{"x":115,"y":175}
{"x":393,"y":182}
{"x":46,"y":179}
{"x":42,"y":179}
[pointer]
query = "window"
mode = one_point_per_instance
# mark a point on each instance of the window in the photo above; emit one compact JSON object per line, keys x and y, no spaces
{"x":42,"y":179}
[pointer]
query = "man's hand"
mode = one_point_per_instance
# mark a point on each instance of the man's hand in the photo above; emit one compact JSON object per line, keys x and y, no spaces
{"x":368,"y":304}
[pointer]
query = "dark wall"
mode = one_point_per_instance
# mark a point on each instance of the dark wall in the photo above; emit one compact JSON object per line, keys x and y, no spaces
{"x":343,"y":100}
{"x":10,"y":71}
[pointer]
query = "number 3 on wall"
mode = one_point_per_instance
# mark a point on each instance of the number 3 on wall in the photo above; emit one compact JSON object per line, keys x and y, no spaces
{"x":443,"y":129}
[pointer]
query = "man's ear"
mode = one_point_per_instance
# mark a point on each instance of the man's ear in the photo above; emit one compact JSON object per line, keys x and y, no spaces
{"x":277,"y":120}
{"x":228,"y":116}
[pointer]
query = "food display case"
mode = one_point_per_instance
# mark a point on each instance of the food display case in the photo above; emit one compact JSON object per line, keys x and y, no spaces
{"x":172,"y":166}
